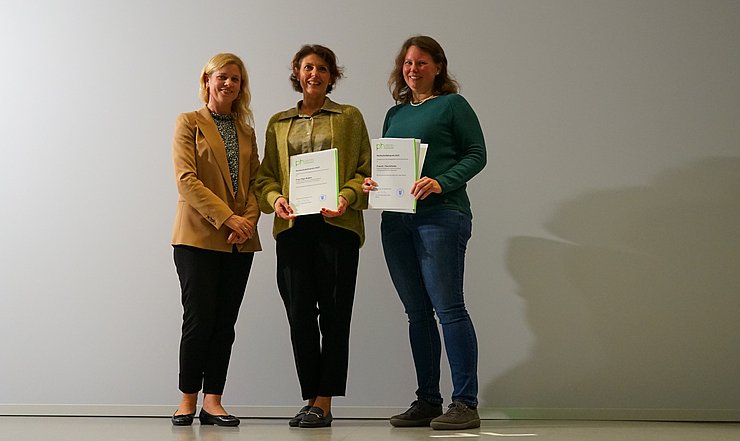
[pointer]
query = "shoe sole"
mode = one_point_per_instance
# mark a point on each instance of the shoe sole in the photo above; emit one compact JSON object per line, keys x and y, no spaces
{"x":303,"y":426}
{"x":213,"y":423}
{"x":455,"y":426}
{"x":411,"y":423}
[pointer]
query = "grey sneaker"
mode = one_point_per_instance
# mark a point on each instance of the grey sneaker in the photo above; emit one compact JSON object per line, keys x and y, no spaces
{"x":420,"y":414}
{"x":458,"y":416}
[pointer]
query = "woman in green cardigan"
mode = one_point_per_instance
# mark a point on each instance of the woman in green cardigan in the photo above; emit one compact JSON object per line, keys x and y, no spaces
{"x":317,"y":254}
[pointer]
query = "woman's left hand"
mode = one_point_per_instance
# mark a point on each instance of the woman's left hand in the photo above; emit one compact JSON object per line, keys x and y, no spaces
{"x":369,"y":185}
{"x":235,"y":238}
{"x":424,"y":187}
{"x":340,"y":209}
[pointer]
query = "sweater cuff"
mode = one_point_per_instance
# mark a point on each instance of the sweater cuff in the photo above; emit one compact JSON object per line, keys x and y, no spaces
{"x":271,"y":198}
{"x":349,"y":195}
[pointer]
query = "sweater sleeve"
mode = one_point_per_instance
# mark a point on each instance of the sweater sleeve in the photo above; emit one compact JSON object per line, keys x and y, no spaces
{"x":267,"y":184}
{"x":470,"y":145}
{"x":352,"y":189}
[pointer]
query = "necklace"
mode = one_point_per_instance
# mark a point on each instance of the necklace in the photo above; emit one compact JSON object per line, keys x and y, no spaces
{"x":419,"y":103}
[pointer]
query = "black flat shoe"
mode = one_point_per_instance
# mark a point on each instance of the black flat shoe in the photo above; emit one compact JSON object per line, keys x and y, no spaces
{"x":207,"y":419}
{"x":315,"y":418}
{"x":183,"y":420}
{"x":296,"y":420}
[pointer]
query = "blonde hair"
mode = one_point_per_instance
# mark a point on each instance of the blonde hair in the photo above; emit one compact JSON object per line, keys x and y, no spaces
{"x":240,"y":107}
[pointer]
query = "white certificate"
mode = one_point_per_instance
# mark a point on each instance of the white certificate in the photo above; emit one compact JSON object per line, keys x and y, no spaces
{"x":395,"y":167}
{"x":313,"y":182}
{"x":422,"y":156}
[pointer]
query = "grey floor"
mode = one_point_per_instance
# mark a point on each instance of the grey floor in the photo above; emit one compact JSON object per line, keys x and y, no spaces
{"x":160,"y":429}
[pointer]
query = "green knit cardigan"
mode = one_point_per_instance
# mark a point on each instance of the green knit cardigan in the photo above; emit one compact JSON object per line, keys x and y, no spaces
{"x":349,"y":136}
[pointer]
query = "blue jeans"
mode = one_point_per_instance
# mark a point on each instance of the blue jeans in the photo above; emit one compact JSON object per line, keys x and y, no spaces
{"x":425,"y":254}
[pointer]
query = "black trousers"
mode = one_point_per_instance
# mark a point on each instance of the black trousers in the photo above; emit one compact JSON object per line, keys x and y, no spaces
{"x":212,"y":285}
{"x":316,"y":277}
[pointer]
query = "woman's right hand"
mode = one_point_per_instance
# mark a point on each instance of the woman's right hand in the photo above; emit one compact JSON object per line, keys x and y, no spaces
{"x":242,"y":229}
{"x":283,"y":209}
{"x":369,"y":185}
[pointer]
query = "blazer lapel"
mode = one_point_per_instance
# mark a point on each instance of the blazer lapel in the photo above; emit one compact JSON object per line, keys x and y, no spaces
{"x":245,"y":159}
{"x":216,"y":143}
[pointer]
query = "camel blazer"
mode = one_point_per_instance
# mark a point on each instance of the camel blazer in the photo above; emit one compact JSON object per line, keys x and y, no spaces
{"x":203,"y":181}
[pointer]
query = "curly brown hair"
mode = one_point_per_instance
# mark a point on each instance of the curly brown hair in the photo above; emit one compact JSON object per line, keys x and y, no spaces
{"x":326,"y":54}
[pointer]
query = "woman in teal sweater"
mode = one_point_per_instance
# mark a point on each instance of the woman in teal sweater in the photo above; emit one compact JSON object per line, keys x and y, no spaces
{"x":425,"y":252}
{"x":317,"y":254}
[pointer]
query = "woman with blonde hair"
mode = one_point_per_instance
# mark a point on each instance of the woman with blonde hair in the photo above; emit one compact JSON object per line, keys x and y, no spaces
{"x":215,"y":232}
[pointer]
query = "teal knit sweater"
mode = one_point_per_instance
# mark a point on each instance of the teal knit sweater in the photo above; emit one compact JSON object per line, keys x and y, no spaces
{"x":456,"y":152}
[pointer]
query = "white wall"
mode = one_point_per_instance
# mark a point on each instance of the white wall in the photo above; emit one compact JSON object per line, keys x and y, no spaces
{"x":602,"y":274}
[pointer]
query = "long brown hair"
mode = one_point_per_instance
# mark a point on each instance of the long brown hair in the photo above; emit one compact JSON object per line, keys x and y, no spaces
{"x":443,"y":83}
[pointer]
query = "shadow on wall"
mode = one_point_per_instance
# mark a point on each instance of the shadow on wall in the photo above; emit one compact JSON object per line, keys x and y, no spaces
{"x":638,"y":304}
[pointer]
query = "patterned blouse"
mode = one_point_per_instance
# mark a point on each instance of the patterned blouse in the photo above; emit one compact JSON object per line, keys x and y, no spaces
{"x":227,"y":129}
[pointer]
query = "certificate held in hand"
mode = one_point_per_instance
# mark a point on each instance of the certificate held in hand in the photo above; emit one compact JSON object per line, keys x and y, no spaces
{"x":396,"y":165}
{"x":313,"y":182}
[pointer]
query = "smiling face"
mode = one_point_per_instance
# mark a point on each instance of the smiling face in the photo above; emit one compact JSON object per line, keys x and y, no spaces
{"x":223,"y":87}
{"x":419,"y":72}
{"x":314,"y":76}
